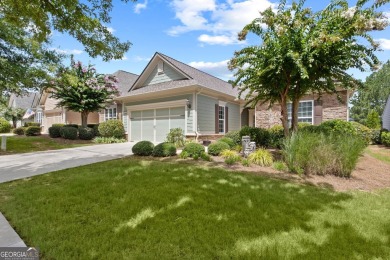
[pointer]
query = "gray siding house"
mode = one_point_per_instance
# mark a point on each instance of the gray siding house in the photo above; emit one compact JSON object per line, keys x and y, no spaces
{"x":170,"y":94}
{"x":386,"y":116}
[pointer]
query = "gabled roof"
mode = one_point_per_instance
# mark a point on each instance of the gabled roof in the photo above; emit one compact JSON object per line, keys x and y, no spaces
{"x":25,"y":101}
{"x":192,"y":76}
{"x":125,"y":80}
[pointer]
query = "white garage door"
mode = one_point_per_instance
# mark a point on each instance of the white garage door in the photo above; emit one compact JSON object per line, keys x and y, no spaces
{"x":154,"y":124}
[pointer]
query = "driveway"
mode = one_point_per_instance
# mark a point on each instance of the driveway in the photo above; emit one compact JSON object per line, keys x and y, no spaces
{"x":18,"y":166}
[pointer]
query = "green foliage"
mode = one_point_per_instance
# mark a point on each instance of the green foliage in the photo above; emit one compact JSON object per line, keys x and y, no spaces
{"x":318,"y":153}
{"x":108,"y":140}
{"x":143,"y":148}
{"x":376,"y":136}
{"x":112,"y":128}
{"x":5,"y":126}
{"x":259,"y":135}
{"x":227,"y":140}
{"x":54,"y":131}
{"x":86,"y":133}
{"x":193,"y":149}
{"x":72,"y":125}
{"x":27,"y":124}
{"x":59,"y":125}
{"x":363,"y":132}
{"x":373,"y":120}
{"x":19,"y":131}
{"x":261,"y":157}
{"x":237,"y":148}
{"x":14,"y":114}
{"x":95,"y":128}
{"x":68,"y":132}
{"x":385,"y":138}
{"x":235,"y":136}
{"x":372,"y":97}
{"x":217,"y":147}
{"x":245,"y":162}
{"x":184,"y":155}
{"x":231,"y":157}
{"x":280,"y":166}
{"x":176,"y":136}
{"x":164,"y":150}
{"x":276,"y":136}
{"x":338,"y":127}
{"x":205,"y":157}
{"x":33,"y":131}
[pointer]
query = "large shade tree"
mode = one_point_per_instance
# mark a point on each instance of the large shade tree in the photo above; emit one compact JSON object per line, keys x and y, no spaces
{"x":81,"y":89}
{"x":14,"y":114}
{"x":304,"y":51}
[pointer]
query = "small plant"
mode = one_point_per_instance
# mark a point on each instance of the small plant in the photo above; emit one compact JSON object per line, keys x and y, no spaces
{"x":280,"y":166}
{"x":261,"y":157}
{"x":385,"y":138}
{"x":164,"y":150}
{"x":376,"y":136}
{"x":231,"y":157}
{"x":54,"y":131}
{"x":217,"y":147}
{"x":235,"y":136}
{"x":228,"y":141}
{"x":245,"y":162}
{"x":143,"y":148}
{"x":69,"y":132}
{"x":237,"y":148}
{"x":193,"y":149}
{"x":5,"y":126}
{"x":195,"y":157}
{"x":108,"y":140}
{"x":276,"y":136}
{"x":183,"y":155}
{"x":176,"y":136}
{"x":33,"y":131}
{"x":86,"y":133}
{"x":112,"y":128}
{"x":205,"y":157}
{"x":19,"y":131}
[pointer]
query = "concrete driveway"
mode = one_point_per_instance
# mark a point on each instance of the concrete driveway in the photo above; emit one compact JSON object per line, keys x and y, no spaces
{"x":18,"y":166}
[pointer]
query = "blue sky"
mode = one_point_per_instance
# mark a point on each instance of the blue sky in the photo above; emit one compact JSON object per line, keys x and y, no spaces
{"x":201,"y":33}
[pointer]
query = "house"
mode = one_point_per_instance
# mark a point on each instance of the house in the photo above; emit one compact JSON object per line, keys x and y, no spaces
{"x":27,"y":101}
{"x":386,"y":116}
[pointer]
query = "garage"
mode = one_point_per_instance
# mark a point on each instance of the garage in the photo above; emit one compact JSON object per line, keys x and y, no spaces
{"x":154,"y":124}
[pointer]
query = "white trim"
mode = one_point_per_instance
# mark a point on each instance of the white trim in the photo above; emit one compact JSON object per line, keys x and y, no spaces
{"x":224,"y":119}
{"x":222,"y":103}
{"x":111,"y":107}
{"x":168,"y":104}
{"x":305,"y":117}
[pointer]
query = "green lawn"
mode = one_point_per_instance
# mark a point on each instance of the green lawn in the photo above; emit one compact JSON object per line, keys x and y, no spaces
{"x":26,"y":144}
{"x":133,"y":208}
{"x":380,"y":154}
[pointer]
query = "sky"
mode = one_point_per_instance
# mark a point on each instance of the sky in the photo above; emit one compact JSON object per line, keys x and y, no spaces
{"x":201,"y":33}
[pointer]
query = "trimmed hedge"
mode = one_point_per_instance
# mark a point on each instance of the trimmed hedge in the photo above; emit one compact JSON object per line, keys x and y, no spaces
{"x":72,"y":125}
{"x":217,"y":147}
{"x":164,"y":150}
{"x":95,"y":128}
{"x":19,"y":131}
{"x":33,"y":130}
{"x":54,"y":131}
{"x":112,"y":128}
{"x":259,"y":135}
{"x":27,"y":124}
{"x":143,"y":148}
{"x":228,"y":141}
{"x":69,"y":132}
{"x":193,"y":149}
{"x":86,"y":133}
{"x":5,"y":126}
{"x":59,"y":125}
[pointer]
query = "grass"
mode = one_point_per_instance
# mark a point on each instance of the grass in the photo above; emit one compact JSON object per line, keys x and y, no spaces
{"x":26,"y":144}
{"x":382,"y":155}
{"x":134,"y":208}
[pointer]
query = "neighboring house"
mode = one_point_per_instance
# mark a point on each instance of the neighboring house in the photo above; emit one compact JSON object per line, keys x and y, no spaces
{"x":27,"y":101}
{"x":386,"y":116}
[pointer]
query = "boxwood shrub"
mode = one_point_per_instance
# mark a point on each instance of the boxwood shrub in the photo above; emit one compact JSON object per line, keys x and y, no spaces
{"x":86,"y":133}
{"x":217,"y":147}
{"x":164,"y":150}
{"x":69,"y":132}
{"x":33,"y":130}
{"x":385,"y":138}
{"x":235,"y":136}
{"x":143,"y":148}
{"x":112,"y":128}
{"x":27,"y":124}
{"x":54,"y":131}
{"x":19,"y":131}
{"x":228,"y":141}
{"x":259,"y":135}
{"x":95,"y":128}
{"x":193,"y":149}
{"x":72,"y":125}
{"x":5,"y":126}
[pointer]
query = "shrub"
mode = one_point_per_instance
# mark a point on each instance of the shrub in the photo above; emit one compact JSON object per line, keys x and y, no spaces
{"x":176,"y":136}
{"x":245,"y":162}
{"x":363,"y":132}
{"x":276,"y":136}
{"x":54,"y":131}
{"x":376,"y":136}
{"x":32,"y":131}
{"x":164,"y":150}
{"x":19,"y":131}
{"x":108,"y":140}
{"x":385,"y":138}
{"x":72,"y":125}
{"x":183,"y":155}
{"x":205,"y":157}
{"x":193,"y":149}
{"x":58,"y":125}
{"x":231,"y":157}
{"x":142,"y":148}
{"x":227,"y":140}
{"x":112,"y":128}
{"x":86,"y":133}
{"x":280,"y":166}
{"x":68,"y":132}
{"x":5,"y":126}
{"x":341,"y":127}
{"x":195,"y":157}
{"x":95,"y":128}
{"x":27,"y":124}
{"x":261,"y":157}
{"x":259,"y":135}
{"x":217,"y":147}
{"x":237,"y":148}
{"x":235,"y":136}
{"x":373,"y":120}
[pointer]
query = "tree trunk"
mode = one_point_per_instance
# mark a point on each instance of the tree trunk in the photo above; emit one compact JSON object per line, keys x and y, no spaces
{"x":294,"y":120}
{"x":284,"y":118}
{"x":14,"y":121}
{"x":84,"y":118}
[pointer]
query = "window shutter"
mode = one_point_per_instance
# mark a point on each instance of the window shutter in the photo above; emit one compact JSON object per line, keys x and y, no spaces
{"x":216,"y":119}
{"x":226,"y":120}
{"x":317,"y":112}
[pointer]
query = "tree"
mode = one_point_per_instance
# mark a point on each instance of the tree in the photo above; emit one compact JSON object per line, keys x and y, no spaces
{"x":373,"y":121}
{"x":373,"y":95}
{"x":304,"y":51}
{"x":80,"y":89}
{"x":14,"y":114}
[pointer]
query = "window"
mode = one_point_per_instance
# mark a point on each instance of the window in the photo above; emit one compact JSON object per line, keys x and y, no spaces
{"x":305,"y":112}
{"x":38,"y":117}
{"x":110,"y":113}
{"x":221,"y":119}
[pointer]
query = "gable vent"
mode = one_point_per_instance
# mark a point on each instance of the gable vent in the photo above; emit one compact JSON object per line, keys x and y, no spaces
{"x":160,"y":68}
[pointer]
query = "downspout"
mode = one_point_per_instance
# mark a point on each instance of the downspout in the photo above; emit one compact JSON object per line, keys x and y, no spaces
{"x":196,"y":114}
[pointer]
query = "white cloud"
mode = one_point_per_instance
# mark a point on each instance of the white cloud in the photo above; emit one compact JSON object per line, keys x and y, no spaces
{"x":138,"y":7}
{"x":139,"y":58}
{"x":384,"y":43}
{"x":218,"y":69}
{"x":110,"y":29}
{"x":221,"y":20}
{"x":67,"y":51}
